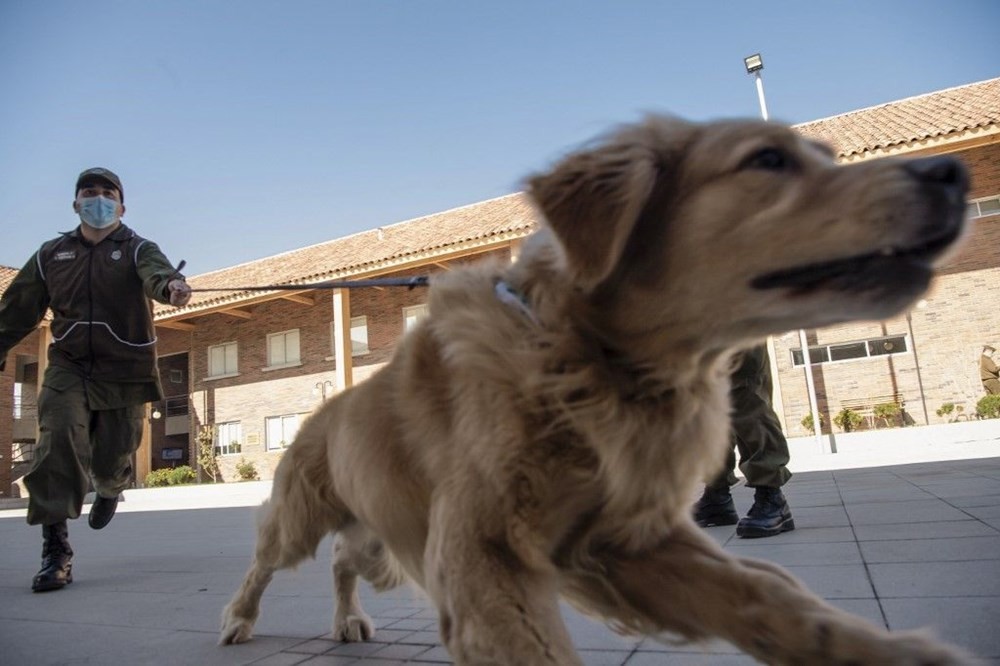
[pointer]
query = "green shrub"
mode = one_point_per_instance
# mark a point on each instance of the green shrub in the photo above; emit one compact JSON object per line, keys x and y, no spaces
{"x":170,"y":476}
{"x":887,"y":411}
{"x":848,"y":419}
{"x":246,"y":470}
{"x":182,"y":475}
{"x":807,"y":422}
{"x":158,"y":478}
{"x":988,"y":407}
{"x":946,"y":409}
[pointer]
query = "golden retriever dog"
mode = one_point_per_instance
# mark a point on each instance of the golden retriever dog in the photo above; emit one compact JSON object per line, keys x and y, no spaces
{"x":545,"y":431}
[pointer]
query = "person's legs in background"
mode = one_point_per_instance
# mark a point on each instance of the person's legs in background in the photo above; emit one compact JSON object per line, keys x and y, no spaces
{"x":763,"y":449}
{"x":116,"y":435}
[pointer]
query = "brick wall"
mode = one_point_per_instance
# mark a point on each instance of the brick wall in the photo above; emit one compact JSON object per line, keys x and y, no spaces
{"x":28,"y":348}
{"x":960,"y":314}
{"x":257,"y":393}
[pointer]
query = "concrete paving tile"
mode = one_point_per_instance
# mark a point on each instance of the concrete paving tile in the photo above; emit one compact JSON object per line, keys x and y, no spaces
{"x":936,"y":579}
{"x":968,"y":488}
{"x":787,"y":554}
{"x":314,"y":646}
{"x":950,"y":529}
{"x":803,"y":500}
{"x":839,"y":581}
{"x":821,"y":516}
{"x":984,"y":512}
{"x":604,"y":657}
{"x":805,"y":533}
{"x":422,"y":638}
{"x":390,"y":635}
{"x":892,"y":493}
{"x":282,"y":659}
{"x":413,"y":624}
{"x":914,"y":511}
{"x":400,"y":651}
{"x":329,"y":660}
{"x":970,"y":621}
{"x":975,"y":500}
{"x":437,"y":655}
{"x":932,"y":550}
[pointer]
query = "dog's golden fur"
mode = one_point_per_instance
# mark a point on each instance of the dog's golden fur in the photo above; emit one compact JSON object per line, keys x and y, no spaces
{"x":511,"y":453}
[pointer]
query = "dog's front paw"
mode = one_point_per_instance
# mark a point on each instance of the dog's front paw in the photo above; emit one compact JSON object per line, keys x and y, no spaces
{"x":235,"y":629}
{"x":353,"y":628}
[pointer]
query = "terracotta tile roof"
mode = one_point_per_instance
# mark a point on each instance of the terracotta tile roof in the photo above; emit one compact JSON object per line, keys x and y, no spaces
{"x":932,"y":116}
{"x":510,"y":216}
{"x":7,"y":275}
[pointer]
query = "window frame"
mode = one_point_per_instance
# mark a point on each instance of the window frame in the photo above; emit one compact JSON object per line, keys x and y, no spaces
{"x":824,"y":354}
{"x":226,"y":371}
{"x":287,"y":438}
{"x":412,"y":314}
{"x":284,"y":335}
{"x":225,"y":449}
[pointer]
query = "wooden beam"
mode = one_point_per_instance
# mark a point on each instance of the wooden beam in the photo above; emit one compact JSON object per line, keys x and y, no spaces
{"x":237,"y":312}
{"x":304,"y":299}
{"x":177,"y":325}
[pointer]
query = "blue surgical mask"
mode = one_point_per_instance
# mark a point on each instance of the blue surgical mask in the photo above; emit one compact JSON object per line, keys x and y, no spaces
{"x":98,"y":212}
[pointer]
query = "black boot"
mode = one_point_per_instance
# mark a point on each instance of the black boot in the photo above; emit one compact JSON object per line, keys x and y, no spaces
{"x":57,"y":559}
{"x":716,"y":507}
{"x":768,"y":516}
{"x":102,"y":511}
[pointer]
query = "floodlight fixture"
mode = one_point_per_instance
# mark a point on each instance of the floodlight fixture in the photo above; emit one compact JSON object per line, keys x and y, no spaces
{"x":753,"y":63}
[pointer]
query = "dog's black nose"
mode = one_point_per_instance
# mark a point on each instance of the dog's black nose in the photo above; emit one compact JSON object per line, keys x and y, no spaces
{"x":945,"y":171}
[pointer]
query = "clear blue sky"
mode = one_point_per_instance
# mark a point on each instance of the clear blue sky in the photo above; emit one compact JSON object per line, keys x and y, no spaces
{"x":246,"y":128}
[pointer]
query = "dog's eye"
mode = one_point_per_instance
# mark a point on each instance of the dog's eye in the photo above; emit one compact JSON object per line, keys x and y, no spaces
{"x":771,"y":159}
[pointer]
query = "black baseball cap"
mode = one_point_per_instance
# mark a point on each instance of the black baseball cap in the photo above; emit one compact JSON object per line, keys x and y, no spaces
{"x":99,"y":174}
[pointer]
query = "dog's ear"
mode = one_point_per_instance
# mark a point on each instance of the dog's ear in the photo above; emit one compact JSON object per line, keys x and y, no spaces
{"x":592,"y":200}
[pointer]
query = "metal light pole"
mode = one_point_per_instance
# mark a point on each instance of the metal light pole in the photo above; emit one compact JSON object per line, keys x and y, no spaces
{"x":754,"y":65}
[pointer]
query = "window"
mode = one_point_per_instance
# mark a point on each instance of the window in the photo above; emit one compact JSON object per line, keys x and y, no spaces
{"x":817,"y":355}
{"x":222,"y":360}
{"x":176,"y":376}
{"x":359,"y":336}
{"x":281,"y":430}
{"x":228,"y":438}
{"x":283,"y":349}
{"x":846,"y":351}
{"x":984,"y":207}
{"x":412,"y":314}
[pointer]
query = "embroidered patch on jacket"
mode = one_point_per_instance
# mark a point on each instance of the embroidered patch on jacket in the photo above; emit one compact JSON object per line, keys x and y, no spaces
{"x":65,"y":255}
{"x":116,"y":255}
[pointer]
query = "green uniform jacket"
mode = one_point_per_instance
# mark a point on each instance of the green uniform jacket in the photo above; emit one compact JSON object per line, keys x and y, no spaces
{"x":102,"y":324}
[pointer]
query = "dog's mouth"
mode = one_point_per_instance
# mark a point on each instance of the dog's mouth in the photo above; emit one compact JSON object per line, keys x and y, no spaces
{"x":858,"y":272}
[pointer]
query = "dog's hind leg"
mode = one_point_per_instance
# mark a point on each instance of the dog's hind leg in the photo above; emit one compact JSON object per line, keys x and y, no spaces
{"x":689,"y":586}
{"x":357,"y":552}
{"x":291,"y":524}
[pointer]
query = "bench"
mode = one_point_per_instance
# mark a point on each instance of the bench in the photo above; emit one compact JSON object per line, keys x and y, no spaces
{"x":866,"y":406}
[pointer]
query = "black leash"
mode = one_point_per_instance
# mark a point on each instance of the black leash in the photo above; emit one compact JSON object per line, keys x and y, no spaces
{"x":410,"y":282}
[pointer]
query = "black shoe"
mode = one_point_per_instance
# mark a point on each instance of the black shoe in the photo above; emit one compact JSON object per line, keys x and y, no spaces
{"x":716,"y":507}
{"x":102,"y":511}
{"x":57,"y":560}
{"x":768,"y":516}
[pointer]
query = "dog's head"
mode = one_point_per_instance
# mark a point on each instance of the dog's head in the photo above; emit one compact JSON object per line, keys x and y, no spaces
{"x":734,"y":230}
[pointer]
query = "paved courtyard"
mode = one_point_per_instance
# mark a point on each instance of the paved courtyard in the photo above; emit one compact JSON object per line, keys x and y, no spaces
{"x":905,"y":546}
